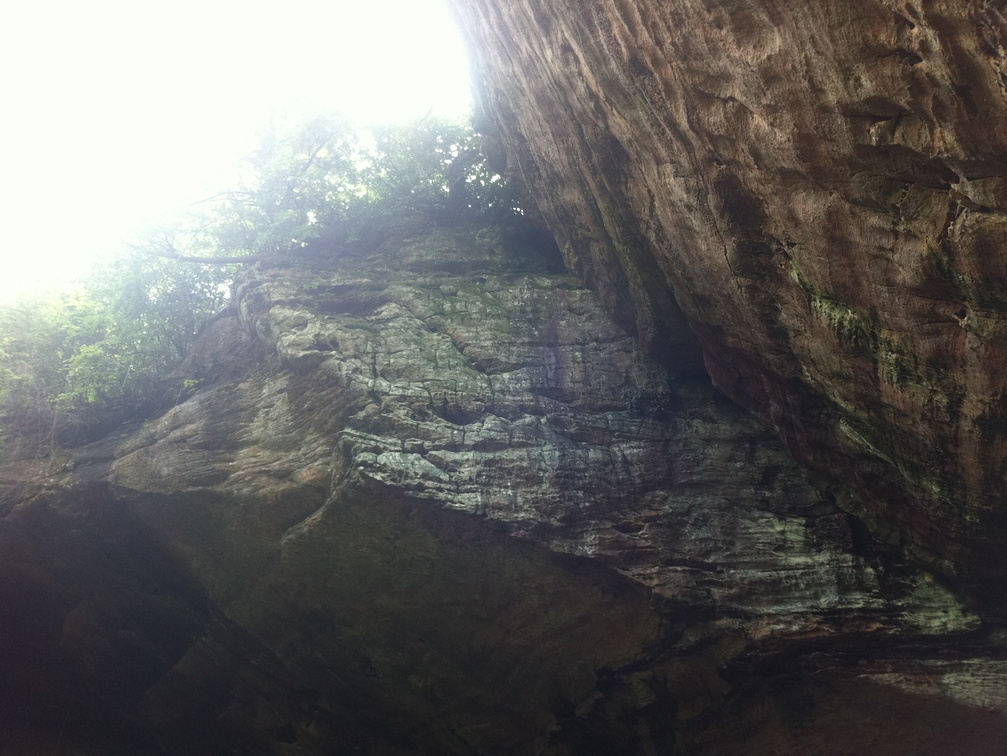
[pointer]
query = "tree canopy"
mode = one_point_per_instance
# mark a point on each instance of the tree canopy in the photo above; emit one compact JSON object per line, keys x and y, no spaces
{"x":323,"y":179}
{"x":72,"y":365}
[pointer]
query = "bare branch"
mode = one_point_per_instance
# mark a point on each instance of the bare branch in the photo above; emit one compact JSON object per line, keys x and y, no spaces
{"x":164,"y":246}
{"x":292,"y":181}
{"x":221,"y":260}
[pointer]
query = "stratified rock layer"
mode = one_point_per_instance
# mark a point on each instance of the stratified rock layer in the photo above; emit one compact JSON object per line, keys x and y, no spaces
{"x":434,"y":501}
{"x":820,"y":188}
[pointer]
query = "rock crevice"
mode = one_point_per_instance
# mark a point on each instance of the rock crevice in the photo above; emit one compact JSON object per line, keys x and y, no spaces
{"x":819,"y":191}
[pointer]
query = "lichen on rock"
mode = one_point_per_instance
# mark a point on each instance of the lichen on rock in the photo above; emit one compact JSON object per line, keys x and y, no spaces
{"x":817,"y":191}
{"x":433,"y":499}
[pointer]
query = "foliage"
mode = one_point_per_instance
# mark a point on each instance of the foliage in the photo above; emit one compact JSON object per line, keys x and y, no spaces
{"x":437,"y":170}
{"x":37,"y":337}
{"x":323,"y":180}
{"x":152,"y":310}
{"x":73,"y":365}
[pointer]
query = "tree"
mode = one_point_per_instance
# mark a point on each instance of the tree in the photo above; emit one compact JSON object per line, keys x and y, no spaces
{"x":71,"y":366}
{"x":323,"y":179}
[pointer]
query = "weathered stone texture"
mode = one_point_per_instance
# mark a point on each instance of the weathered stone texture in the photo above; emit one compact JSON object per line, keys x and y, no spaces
{"x":819,"y":186}
{"x":405,"y":510}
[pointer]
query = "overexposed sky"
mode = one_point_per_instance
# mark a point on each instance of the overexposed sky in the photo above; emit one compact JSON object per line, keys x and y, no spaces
{"x":117,"y":114}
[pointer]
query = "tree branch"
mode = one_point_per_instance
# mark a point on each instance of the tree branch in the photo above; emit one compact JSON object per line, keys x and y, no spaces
{"x":221,"y":260}
{"x":165,"y":247}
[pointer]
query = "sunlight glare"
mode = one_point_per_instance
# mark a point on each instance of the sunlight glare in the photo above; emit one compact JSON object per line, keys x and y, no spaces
{"x":118,"y":114}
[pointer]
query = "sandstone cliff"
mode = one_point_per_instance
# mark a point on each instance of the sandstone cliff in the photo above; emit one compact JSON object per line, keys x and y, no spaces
{"x":818,"y":188}
{"x":434,"y":500}
{"x":444,"y":499}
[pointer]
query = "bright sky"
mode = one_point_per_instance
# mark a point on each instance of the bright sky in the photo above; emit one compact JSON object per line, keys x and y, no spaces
{"x":116,"y":114}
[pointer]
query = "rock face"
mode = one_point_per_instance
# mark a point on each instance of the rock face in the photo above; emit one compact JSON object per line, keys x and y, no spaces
{"x":435,"y":501}
{"x":818,"y":188}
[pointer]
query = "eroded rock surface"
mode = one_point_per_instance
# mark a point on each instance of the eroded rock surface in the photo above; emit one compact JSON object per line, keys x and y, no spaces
{"x":819,"y":188}
{"x":435,"y":501}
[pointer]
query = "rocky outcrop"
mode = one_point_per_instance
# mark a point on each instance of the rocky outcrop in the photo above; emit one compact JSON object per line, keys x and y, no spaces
{"x":818,"y":188}
{"x":443,"y":499}
{"x":433,"y":500}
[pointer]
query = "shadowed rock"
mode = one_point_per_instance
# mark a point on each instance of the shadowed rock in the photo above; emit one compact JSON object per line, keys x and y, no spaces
{"x":433,"y":500}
